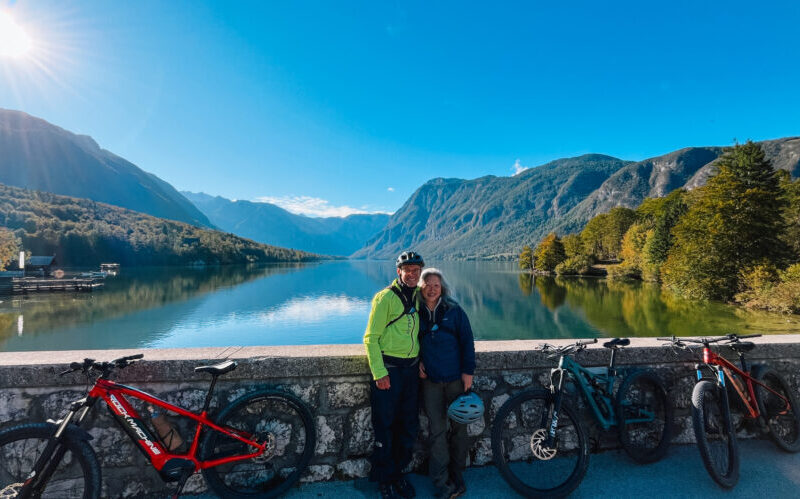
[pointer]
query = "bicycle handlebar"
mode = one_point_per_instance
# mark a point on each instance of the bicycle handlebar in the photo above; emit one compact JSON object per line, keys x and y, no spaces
{"x":566,"y":349}
{"x":731,"y":338}
{"x":104,"y":367}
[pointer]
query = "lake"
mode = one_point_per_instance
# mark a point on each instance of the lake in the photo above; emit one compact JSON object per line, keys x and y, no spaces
{"x":329,"y":302}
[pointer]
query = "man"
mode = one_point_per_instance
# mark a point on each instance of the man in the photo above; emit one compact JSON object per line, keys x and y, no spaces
{"x":392,"y":351}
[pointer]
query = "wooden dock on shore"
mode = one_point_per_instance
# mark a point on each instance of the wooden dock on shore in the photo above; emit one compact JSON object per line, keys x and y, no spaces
{"x":39,"y":284}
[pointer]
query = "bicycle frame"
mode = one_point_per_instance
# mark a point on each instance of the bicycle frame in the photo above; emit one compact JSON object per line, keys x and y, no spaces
{"x":588,"y":379}
{"x":725,"y":367}
{"x":126,"y":416}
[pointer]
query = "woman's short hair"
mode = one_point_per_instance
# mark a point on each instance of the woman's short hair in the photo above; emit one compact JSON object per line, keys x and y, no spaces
{"x":447,"y":293}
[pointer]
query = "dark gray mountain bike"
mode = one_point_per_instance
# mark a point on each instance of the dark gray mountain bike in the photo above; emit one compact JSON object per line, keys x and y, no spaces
{"x":539,"y":443}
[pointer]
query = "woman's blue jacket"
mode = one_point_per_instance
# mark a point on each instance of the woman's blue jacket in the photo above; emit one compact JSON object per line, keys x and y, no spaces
{"x":446,"y":342}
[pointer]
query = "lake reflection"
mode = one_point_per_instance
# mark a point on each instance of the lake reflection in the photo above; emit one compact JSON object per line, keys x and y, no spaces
{"x":329,"y":303}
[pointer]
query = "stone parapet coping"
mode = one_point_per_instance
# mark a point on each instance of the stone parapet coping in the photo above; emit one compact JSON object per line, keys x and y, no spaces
{"x":21,"y":369}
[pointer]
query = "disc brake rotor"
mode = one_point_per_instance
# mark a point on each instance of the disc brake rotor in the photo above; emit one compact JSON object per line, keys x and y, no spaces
{"x":270,"y":445}
{"x":11,"y":490}
{"x":540,"y":451}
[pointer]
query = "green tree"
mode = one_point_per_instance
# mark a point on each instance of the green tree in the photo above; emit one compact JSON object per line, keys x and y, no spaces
{"x":619,"y":221}
{"x":792,"y":214}
{"x":592,"y":235}
{"x":526,"y":258}
{"x":602,"y":236}
{"x":672,"y":208}
{"x":736,"y":223}
{"x":549,"y":253}
{"x":573,"y":245}
{"x":9,"y":247}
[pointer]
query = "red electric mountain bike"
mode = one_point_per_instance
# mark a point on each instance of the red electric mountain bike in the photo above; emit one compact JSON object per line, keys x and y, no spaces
{"x":767,"y":401}
{"x":258,"y":446}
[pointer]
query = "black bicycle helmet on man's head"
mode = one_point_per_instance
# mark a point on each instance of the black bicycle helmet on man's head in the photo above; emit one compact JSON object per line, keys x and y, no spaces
{"x":409,"y":258}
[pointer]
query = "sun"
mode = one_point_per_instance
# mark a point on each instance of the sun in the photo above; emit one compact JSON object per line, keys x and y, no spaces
{"x":14,"y":41}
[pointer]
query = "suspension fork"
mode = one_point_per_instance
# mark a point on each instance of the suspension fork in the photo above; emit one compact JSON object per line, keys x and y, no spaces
{"x":55,"y":450}
{"x":557,"y":391}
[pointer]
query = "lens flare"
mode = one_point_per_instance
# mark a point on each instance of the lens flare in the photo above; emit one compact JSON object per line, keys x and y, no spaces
{"x":14,"y":41}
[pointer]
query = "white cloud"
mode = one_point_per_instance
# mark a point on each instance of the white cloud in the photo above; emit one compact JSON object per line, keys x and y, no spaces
{"x":518,"y":168}
{"x":390,"y":189}
{"x":314,"y":207}
{"x":316,"y":309}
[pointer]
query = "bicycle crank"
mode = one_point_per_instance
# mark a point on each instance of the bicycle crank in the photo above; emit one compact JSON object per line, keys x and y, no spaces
{"x":540,"y":451}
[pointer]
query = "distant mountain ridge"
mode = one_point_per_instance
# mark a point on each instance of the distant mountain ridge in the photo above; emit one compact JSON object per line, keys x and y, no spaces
{"x":35,"y":154}
{"x":492,"y":217}
{"x":271,"y":224}
{"x":489,"y":216}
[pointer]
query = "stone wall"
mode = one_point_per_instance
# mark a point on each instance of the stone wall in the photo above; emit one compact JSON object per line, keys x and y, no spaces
{"x":333,"y":380}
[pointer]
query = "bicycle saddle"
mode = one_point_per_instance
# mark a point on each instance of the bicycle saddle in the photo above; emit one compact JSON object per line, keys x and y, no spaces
{"x":742,"y":346}
{"x":217,"y":369}
{"x":617,"y":342}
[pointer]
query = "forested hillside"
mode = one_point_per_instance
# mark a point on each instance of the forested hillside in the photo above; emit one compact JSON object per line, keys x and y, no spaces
{"x":35,"y":154}
{"x":82,"y":232}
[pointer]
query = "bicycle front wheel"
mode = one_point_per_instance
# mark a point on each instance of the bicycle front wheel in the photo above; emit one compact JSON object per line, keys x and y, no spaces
{"x":277,"y":419}
{"x":530,"y":467}
{"x":713,"y":430}
{"x":77,"y":475}
{"x":644,"y":417}
{"x":781,"y":418}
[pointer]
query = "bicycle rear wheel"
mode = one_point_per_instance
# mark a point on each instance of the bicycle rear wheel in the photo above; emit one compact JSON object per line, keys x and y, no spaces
{"x":783,"y":422}
{"x":644,"y":417}
{"x":276,"y":418}
{"x":77,"y":475}
{"x":713,"y":430}
{"x":531,"y":469}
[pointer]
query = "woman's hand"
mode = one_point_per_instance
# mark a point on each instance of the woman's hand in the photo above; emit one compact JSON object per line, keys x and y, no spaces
{"x":467,"y":380}
{"x":422,"y":373}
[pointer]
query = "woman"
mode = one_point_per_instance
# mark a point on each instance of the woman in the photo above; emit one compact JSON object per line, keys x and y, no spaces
{"x":447,"y":367}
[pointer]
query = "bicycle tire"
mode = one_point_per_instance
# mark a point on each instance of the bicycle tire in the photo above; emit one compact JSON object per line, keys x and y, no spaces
{"x":21,"y":446}
{"x":271,"y":414}
{"x":513,"y":431}
{"x":783,"y":429}
{"x":711,"y":419}
{"x":643,"y":393}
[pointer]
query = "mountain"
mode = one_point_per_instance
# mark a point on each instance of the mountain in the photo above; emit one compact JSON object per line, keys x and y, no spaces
{"x":784,"y":154}
{"x":655,"y":177}
{"x":83,"y":232}
{"x":270,"y":224}
{"x":489,"y":216}
{"x":493,"y":217}
{"x":35,"y":154}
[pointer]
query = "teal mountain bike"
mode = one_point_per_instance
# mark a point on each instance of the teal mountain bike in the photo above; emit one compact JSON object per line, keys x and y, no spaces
{"x":540,"y":444}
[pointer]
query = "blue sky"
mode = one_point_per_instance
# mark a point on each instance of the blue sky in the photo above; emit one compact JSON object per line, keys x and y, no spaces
{"x":350,"y":106}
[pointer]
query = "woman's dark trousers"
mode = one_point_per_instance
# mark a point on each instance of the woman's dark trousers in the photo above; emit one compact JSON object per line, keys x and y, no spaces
{"x":395,"y":419}
{"x":448,"y":451}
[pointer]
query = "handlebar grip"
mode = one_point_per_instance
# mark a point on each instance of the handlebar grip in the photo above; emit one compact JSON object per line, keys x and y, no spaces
{"x":748,"y":336}
{"x":134,"y":357}
{"x":587,"y":342}
{"x":669,"y":338}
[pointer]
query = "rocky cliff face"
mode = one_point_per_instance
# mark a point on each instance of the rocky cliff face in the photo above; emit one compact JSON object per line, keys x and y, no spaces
{"x":35,"y":154}
{"x":784,"y":154}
